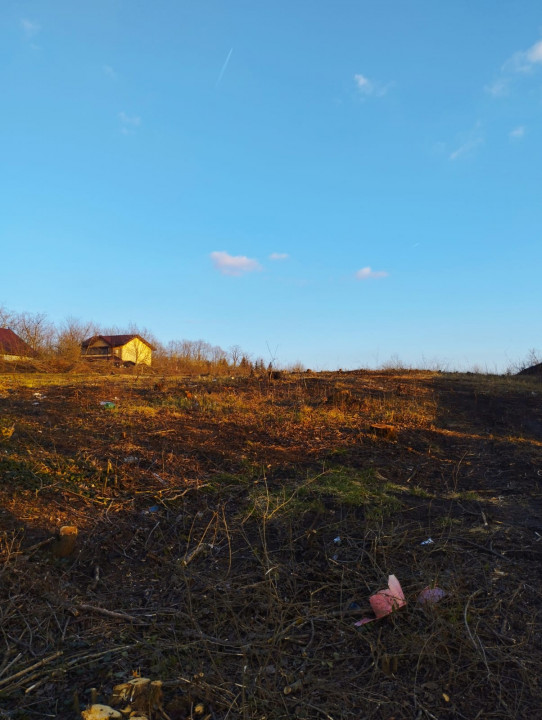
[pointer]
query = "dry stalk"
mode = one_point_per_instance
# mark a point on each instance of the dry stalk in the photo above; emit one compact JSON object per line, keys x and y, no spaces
{"x":26,"y":670}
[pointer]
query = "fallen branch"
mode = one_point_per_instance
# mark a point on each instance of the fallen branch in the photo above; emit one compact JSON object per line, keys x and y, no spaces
{"x":32,"y":667}
{"x":109,"y":613}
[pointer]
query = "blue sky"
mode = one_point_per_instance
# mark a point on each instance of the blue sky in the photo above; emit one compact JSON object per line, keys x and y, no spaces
{"x":334,"y":183}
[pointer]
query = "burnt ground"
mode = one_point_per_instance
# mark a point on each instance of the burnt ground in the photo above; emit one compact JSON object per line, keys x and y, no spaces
{"x":230,"y":533}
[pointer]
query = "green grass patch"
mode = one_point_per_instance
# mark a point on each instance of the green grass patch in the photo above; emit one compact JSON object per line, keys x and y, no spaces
{"x":336,"y":487}
{"x":19,"y":474}
{"x":57,"y":472}
{"x":420,"y":492}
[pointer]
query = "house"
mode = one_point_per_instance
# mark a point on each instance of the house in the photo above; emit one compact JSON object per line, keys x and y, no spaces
{"x":121,"y":349}
{"x":13,"y":348}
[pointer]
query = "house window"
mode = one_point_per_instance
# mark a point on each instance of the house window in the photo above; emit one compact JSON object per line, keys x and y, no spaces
{"x":98,"y":351}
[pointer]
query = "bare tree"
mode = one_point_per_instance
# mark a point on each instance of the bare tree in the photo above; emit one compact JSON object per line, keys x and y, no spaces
{"x":7,"y":318}
{"x":70,"y":335}
{"x":236,"y":353}
{"x":36,"y":330}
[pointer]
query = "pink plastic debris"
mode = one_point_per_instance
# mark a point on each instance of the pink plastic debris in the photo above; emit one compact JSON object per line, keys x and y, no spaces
{"x":430,"y":596}
{"x":384,"y":602}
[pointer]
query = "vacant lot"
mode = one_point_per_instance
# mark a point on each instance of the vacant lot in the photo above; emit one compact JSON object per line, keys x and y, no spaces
{"x":230,"y":533}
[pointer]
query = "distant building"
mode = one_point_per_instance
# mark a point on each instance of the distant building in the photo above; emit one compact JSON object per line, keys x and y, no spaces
{"x":120,"y":349}
{"x":13,"y":348}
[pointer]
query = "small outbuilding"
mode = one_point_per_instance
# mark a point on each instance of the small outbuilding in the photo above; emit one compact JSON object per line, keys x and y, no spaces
{"x":120,"y":349}
{"x":13,"y":348}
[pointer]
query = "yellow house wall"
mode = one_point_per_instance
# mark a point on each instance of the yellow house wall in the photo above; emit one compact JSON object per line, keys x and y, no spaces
{"x":135,"y":351}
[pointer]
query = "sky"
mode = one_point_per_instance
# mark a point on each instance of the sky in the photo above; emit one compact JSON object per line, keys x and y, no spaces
{"x":341,"y":184}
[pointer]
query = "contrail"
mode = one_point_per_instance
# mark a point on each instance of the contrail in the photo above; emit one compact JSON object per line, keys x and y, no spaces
{"x":224,"y":68}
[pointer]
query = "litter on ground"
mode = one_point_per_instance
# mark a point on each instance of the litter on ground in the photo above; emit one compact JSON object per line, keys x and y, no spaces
{"x":384,"y":602}
{"x":430,"y":596}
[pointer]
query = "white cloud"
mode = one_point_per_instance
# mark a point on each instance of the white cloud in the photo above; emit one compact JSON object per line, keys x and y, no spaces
{"x":366,"y":273}
{"x":523,"y":61}
{"x":234,"y":265}
{"x":363,"y":84}
{"x":517,"y":63}
{"x":517,"y":133}
{"x":279,"y":256}
{"x":108,"y":70}
{"x":370,"y":87}
{"x":129,"y":123}
{"x":534,"y":54}
{"x":30,"y":28}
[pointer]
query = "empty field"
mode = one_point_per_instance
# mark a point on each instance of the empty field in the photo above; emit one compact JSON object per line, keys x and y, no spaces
{"x":231,"y":531}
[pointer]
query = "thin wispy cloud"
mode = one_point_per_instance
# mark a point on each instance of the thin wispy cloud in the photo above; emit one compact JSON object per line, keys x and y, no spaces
{"x":522,"y":62}
{"x":279,"y":256}
{"x":517,"y":133}
{"x":498,"y":88}
{"x":234,"y":265}
{"x":110,"y":72}
{"x":366,"y":87}
{"x":129,"y":123}
{"x":368,"y":273}
{"x":466,"y":148}
{"x":469,"y":143}
{"x":30,"y":28}
{"x":223,"y":69}
{"x":133,"y":120}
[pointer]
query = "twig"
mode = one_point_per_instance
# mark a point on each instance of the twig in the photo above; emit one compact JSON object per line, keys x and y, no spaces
{"x":109,"y":613}
{"x":12,"y":662}
{"x":320,"y":710}
{"x":193,"y":553}
{"x":32,"y":549}
{"x":32,"y":667}
{"x":76,"y":661}
{"x":94,"y":656}
{"x":481,"y":547}
{"x":477,"y":645}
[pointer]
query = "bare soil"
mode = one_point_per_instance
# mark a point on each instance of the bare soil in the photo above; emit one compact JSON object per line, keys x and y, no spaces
{"x":231,"y":531}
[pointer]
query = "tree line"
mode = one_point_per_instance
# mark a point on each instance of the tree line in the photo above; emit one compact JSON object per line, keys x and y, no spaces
{"x":58,"y":347}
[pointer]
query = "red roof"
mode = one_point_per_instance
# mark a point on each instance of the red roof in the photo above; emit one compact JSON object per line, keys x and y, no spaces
{"x":115,"y":340}
{"x":12,"y":344}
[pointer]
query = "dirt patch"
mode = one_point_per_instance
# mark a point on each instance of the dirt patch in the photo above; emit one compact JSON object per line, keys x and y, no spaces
{"x":232,"y":531}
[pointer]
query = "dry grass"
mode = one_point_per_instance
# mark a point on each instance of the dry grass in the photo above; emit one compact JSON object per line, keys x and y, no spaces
{"x":209,"y":514}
